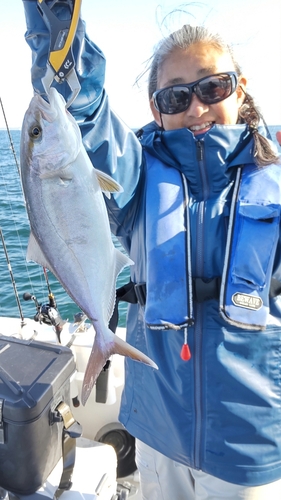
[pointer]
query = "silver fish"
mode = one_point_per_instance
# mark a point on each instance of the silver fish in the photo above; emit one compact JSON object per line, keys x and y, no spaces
{"x":70,"y":232}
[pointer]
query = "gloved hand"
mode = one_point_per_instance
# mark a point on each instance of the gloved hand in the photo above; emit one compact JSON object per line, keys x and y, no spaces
{"x":89,"y":60}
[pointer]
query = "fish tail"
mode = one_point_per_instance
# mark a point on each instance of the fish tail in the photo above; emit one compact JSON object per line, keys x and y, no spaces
{"x":125,"y":349}
{"x":96,"y":362}
{"x":101,"y":352}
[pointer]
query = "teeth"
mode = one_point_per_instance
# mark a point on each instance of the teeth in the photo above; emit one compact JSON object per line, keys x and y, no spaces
{"x":200,"y":127}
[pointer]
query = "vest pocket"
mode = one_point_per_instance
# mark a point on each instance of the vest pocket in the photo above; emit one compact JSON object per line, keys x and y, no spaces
{"x":254,"y":243}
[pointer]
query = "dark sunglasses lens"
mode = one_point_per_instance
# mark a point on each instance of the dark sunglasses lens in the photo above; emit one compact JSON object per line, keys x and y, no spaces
{"x":214,"y":89}
{"x":173,"y":100}
{"x":209,"y":90}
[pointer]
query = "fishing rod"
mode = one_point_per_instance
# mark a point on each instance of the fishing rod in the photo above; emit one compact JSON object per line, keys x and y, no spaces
{"x":12,"y":278}
{"x":47,"y":313}
{"x":1,"y":232}
{"x":51,"y":296}
{"x":10,"y":137}
{"x":52,"y":310}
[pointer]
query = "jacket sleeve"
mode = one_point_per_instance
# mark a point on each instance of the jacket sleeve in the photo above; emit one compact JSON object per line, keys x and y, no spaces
{"x":111,"y":145}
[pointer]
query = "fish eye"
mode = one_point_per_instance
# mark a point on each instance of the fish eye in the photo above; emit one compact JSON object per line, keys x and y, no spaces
{"x":36,"y":132}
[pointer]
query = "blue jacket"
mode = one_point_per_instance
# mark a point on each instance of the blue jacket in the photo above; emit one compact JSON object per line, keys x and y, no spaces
{"x":220,"y":412}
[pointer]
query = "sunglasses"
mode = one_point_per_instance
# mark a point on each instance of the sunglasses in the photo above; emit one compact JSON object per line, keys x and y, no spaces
{"x":210,"y":90}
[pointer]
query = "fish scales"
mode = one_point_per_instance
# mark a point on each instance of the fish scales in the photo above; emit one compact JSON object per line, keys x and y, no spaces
{"x":70,"y":231}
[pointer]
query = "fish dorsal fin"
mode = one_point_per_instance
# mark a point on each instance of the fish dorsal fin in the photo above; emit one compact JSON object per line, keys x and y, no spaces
{"x":35,"y":254}
{"x":107,"y":184}
{"x":122,"y":261}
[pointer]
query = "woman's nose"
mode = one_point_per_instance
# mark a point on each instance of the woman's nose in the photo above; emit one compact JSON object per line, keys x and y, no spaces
{"x":197,"y":108}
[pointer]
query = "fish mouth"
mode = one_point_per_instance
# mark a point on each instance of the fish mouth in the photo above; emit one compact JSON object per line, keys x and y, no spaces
{"x":43,"y":108}
{"x":49,"y":105}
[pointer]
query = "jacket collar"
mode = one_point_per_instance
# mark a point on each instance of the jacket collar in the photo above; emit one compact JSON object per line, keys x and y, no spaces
{"x":220,"y":149}
{"x":231,"y":144}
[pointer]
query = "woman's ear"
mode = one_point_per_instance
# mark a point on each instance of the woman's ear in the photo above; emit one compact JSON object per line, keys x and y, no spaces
{"x":155,"y":113}
{"x":241,"y":90}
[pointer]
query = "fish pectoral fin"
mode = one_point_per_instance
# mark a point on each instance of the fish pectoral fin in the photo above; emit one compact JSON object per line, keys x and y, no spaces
{"x":122,"y":260}
{"x":35,"y":254}
{"x":107,"y":184}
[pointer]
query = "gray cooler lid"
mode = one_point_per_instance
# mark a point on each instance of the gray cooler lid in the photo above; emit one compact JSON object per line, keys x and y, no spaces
{"x":31,"y":373}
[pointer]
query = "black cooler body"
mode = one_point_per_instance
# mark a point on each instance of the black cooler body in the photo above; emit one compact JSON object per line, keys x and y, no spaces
{"x":34,"y":381}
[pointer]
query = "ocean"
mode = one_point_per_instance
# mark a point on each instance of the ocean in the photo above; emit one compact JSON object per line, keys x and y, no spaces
{"x":17,"y":275}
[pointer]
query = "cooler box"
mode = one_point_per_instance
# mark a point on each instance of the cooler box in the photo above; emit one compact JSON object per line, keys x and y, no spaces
{"x":34,"y":381}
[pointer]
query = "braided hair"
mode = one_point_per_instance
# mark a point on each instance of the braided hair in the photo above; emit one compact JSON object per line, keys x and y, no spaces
{"x":250,"y":114}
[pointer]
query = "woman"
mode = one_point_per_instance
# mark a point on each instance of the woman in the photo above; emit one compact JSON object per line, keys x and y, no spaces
{"x":199,"y":216}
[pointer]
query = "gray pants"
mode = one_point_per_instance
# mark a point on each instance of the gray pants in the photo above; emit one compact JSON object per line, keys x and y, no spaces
{"x":163,"y":479}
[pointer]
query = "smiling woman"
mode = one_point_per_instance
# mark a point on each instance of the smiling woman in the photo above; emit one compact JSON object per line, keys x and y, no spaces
{"x":218,"y":98}
{"x":190,"y":63}
{"x":199,"y":217}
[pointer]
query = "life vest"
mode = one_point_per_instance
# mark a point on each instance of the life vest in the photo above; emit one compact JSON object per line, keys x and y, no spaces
{"x":252,"y":239}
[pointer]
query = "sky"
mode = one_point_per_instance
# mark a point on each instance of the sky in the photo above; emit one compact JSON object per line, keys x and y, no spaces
{"x":127,"y":32}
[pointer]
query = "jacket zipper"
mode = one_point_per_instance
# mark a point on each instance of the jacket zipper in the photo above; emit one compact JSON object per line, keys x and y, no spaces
{"x":199,"y":266}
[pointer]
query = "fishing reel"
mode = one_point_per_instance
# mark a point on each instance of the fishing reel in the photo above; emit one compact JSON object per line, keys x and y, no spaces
{"x":47,"y":313}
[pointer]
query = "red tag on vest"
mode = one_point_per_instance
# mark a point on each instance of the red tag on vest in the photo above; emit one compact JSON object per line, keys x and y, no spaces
{"x":185,"y":352}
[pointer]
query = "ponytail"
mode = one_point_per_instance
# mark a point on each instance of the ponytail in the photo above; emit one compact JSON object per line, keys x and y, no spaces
{"x":263,"y":152}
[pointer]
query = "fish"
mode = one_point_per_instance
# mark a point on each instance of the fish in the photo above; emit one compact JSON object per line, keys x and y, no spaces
{"x":69,"y":226}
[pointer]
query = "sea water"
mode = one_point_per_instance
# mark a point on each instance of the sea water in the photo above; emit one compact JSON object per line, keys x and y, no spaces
{"x":17,"y":275}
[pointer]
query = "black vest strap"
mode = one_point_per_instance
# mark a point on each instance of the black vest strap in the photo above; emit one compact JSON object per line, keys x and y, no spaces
{"x":275,"y":288}
{"x":206,"y":290}
{"x":126,"y":293}
{"x":202,"y":290}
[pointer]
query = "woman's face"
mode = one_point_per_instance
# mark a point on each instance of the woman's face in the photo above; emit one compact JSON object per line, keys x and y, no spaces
{"x":186,"y":66}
